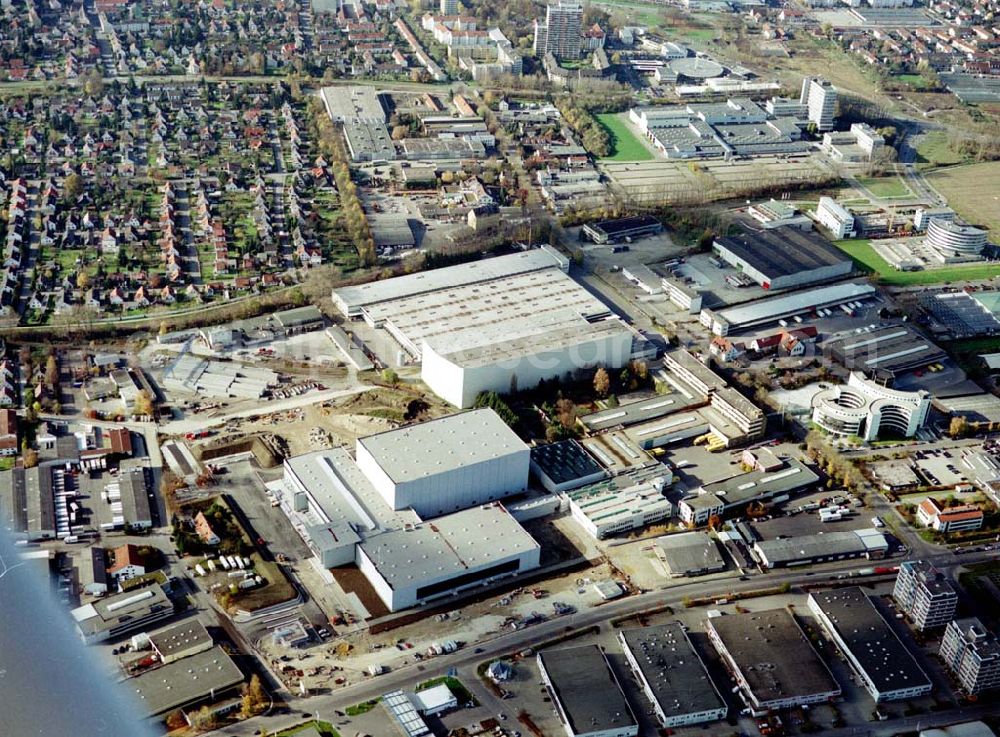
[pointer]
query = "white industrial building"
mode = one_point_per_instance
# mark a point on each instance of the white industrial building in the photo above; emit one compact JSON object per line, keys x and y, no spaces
{"x":368,"y":513}
{"x":769,"y":311}
{"x":835,"y":217}
{"x":489,"y":325}
{"x":188,"y":373}
{"x":864,"y":408}
{"x":434,"y":559}
{"x":615,"y":506}
{"x":444,"y":465}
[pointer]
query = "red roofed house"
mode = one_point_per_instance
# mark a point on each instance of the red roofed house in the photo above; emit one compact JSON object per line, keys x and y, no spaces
{"x":8,"y":432}
{"x":204,"y":530}
{"x":949,"y":519}
{"x":120,"y":439}
{"x":128,"y":563}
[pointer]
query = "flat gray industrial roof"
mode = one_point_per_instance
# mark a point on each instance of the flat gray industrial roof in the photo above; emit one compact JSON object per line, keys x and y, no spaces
{"x":587,"y":689}
{"x":690,"y":552}
{"x":106,"y":614}
{"x":635,"y":412}
{"x":446,"y":278}
{"x":448,"y":546}
{"x":783,"y":251}
{"x":738,"y":402}
{"x":793,"y":475}
{"x":430,"y":448}
{"x":687,"y":360}
{"x":26,"y":503}
{"x":774,"y":655}
{"x":804,"y":301}
{"x":807,"y":547}
{"x":887,"y":348}
{"x":872,"y":642}
{"x":359,"y":102}
{"x":672,"y":669}
{"x":180,"y":637}
{"x":564,"y":461}
{"x":183,"y":681}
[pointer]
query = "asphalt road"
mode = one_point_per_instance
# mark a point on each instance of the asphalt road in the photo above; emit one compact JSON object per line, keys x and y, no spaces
{"x":466,"y":660}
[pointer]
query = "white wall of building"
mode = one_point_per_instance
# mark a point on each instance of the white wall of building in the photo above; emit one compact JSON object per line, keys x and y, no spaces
{"x":451,"y":490}
{"x":460,"y":386}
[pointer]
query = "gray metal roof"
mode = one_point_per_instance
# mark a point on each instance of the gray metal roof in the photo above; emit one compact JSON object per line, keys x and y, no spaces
{"x":587,"y":689}
{"x":673,"y":670}
{"x":783,"y":251}
{"x":807,"y":547}
{"x":635,"y":412}
{"x":448,"y":546}
{"x":870,"y":639}
{"x":445,"y":278}
{"x":775,"y":307}
{"x":564,"y":461}
{"x":186,"y":680}
{"x":774,"y":655}
{"x":793,"y":475}
{"x":180,"y":638}
{"x":447,"y":443}
{"x":690,"y":552}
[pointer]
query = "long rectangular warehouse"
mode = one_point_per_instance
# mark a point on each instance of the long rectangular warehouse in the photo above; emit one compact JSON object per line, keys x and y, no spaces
{"x":886,"y":350}
{"x":784,"y":258}
{"x":769,"y":311}
{"x":771,"y":659}
{"x":491,"y":325}
{"x":824,"y":546}
{"x":586,"y":693}
{"x":672,"y":675}
{"x":886,"y":668}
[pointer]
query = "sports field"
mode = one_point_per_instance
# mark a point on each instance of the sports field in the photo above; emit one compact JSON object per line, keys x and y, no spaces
{"x":867,"y":259}
{"x":974,"y":192}
{"x":624,"y":145}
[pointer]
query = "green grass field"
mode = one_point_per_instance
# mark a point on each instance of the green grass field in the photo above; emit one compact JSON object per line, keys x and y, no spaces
{"x":624,"y":144}
{"x":933,"y":149}
{"x":914,"y":80}
{"x":886,"y":186}
{"x":974,"y":192}
{"x":866,"y":258}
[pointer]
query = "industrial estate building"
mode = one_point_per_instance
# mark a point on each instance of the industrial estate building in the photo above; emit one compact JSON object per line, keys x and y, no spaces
{"x":770,"y":311}
{"x":373,"y":512}
{"x":489,"y":325}
{"x":690,"y":554}
{"x":673,"y":677}
{"x":627,"y":502}
{"x":718,"y":498}
{"x":586,"y":693}
{"x":864,"y":408}
{"x":564,"y":465}
{"x":821,"y":547}
{"x":612,"y":231}
{"x":211,"y":673}
{"x":972,"y":654}
{"x":923,"y":594}
{"x":122,"y":614}
{"x":447,"y":464}
{"x":784,"y":258}
{"x":363,"y":115}
{"x":884,"y":351}
{"x":886,"y":668}
{"x":771,"y":660}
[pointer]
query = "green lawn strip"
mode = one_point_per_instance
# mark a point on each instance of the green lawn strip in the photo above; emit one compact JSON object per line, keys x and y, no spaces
{"x":454,"y":685}
{"x":935,"y":150}
{"x":886,"y":187}
{"x":324,"y":728}
{"x":363,"y":708}
{"x":624,"y":144}
{"x":866,"y":258}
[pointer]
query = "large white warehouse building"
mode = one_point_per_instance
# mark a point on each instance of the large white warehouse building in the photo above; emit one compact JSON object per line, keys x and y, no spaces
{"x":416,"y":512}
{"x":447,"y":464}
{"x":489,"y":325}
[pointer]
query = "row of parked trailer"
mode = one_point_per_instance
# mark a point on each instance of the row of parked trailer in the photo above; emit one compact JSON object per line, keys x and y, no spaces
{"x":850,"y":308}
{"x":225,"y":562}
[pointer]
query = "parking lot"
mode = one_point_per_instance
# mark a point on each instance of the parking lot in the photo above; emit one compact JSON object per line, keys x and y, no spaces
{"x":783,"y":525}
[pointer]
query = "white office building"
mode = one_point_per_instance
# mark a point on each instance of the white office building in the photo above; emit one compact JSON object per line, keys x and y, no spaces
{"x":864,"y":408}
{"x":923,"y":594}
{"x":820,"y":98}
{"x":445,"y":465}
{"x":835,"y":217}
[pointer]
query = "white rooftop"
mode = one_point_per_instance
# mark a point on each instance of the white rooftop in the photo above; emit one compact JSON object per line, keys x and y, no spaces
{"x":350,"y":299}
{"x":776,"y":307}
{"x":434,"y":699}
{"x":441,"y":445}
{"x":448,"y":546}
